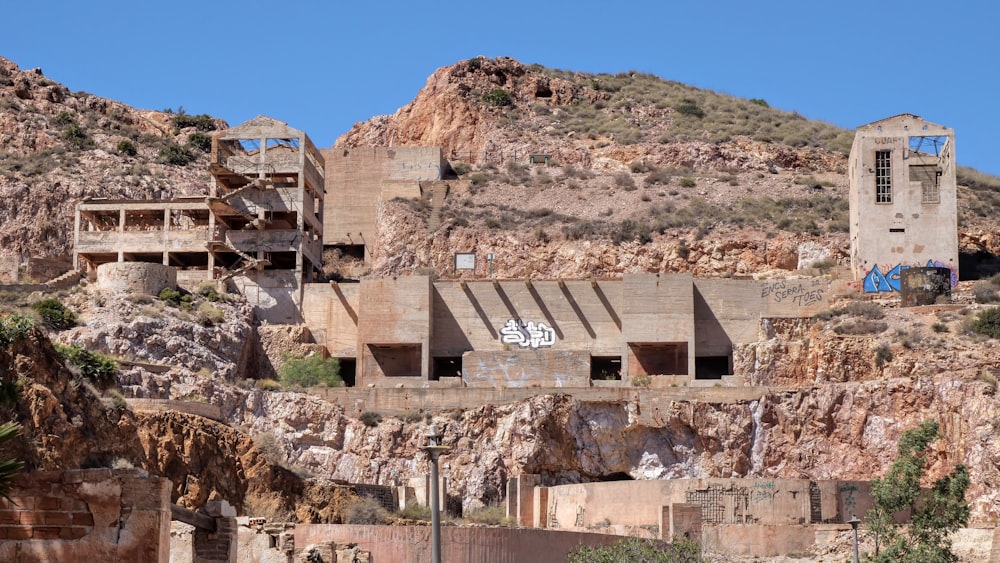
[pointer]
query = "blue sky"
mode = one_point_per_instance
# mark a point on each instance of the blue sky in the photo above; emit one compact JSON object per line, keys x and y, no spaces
{"x":322,"y":66}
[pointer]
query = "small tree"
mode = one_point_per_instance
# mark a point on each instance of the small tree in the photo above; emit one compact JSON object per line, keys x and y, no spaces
{"x":934,"y":514}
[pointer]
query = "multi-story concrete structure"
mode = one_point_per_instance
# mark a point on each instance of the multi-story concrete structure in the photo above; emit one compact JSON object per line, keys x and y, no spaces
{"x":261,"y":226}
{"x":902,"y":200}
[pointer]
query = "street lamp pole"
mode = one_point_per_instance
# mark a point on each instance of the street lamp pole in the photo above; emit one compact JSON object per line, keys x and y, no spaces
{"x":854,"y":526}
{"x":434,"y":449}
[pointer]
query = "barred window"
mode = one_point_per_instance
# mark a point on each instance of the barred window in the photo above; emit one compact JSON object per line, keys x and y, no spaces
{"x":883,"y":177}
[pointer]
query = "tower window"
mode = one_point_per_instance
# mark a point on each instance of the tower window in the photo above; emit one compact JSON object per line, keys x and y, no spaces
{"x":883,"y":177}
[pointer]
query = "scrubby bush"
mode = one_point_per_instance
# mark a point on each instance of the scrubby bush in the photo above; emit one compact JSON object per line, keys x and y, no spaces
{"x":370,"y":419}
{"x":883,"y":355}
{"x":200,"y":141}
{"x":94,"y":366}
{"x":202,"y":122}
{"x":365,"y":510}
{"x":988,"y":322}
{"x":175,"y":297}
{"x":13,"y":328}
{"x":461,"y":168}
{"x":689,"y":107}
{"x":493,"y":515}
{"x":637,"y":549}
{"x":311,"y":371}
{"x":413,"y":511}
{"x":210,"y":315}
{"x":687,"y":182}
{"x":176,"y":155}
{"x":54,"y":314}
{"x":498,"y":97}
{"x":126,"y":147}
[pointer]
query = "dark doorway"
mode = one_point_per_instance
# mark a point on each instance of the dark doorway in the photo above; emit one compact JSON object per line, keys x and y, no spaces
{"x":447,"y":367}
{"x":605,"y":368}
{"x":711,"y":367}
{"x":348,"y":370}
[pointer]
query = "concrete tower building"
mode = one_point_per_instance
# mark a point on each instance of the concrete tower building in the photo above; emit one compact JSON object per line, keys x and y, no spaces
{"x":903,"y":200}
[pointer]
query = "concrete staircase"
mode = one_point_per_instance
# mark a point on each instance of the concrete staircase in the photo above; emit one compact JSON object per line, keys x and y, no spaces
{"x":439,"y":191}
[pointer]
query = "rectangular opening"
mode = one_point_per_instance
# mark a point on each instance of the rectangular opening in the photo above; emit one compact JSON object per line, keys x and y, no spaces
{"x":657,"y":358}
{"x":883,"y":177}
{"x":348,"y":370}
{"x":897,"y":230}
{"x":450,"y":366}
{"x":711,"y":367}
{"x":605,"y":368}
{"x":930,"y":145}
{"x":929,"y":177}
{"x":396,"y":360}
{"x":355,"y":251}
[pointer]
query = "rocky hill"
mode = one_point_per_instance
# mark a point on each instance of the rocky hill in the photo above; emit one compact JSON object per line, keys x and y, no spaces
{"x":644,"y":175}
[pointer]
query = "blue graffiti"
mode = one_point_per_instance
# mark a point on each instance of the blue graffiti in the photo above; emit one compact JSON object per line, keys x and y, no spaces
{"x":879,"y":281}
{"x":954,"y":274}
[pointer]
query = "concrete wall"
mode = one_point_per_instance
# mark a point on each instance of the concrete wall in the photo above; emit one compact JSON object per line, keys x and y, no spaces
{"x":86,"y":515}
{"x":136,"y":277}
{"x":907,"y":231}
{"x":412,"y":544}
{"x":358,"y":179}
{"x":526,"y":368}
{"x":652,"y":324}
{"x":272,"y":293}
{"x":9,"y":269}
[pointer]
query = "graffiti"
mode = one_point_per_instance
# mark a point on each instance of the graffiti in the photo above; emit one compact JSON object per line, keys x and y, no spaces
{"x":849,"y":501}
{"x":763,"y":491}
{"x":435,"y":170}
{"x":801,"y":294}
{"x":527,"y":334}
{"x":887,"y":280}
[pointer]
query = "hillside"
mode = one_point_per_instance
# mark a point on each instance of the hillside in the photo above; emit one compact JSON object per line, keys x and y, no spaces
{"x":644,"y":175}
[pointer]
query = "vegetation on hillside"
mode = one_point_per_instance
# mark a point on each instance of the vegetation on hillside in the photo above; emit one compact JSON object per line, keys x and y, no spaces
{"x":933,"y":515}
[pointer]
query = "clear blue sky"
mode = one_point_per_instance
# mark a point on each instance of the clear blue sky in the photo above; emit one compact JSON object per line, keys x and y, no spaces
{"x":322,"y":66}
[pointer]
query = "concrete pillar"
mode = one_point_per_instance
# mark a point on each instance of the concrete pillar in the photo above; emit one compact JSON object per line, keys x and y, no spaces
{"x":540,"y":507}
{"x":520,"y":499}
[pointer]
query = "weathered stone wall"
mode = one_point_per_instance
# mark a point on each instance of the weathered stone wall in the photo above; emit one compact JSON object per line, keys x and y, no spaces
{"x":86,"y":515}
{"x":9,"y":269}
{"x":526,"y":368}
{"x":136,"y":277}
{"x":412,"y":544}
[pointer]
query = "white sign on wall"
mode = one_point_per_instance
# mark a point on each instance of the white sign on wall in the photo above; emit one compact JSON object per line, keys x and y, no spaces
{"x":527,"y":334}
{"x":465,"y":260}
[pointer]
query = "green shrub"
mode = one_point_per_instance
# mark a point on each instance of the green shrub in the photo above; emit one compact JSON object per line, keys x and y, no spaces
{"x":498,"y":97}
{"x":202,"y":122}
{"x":13,"y":328}
{"x":689,"y":107}
{"x":54,"y":314}
{"x":632,"y":549}
{"x":126,"y":147}
{"x":94,"y":366}
{"x":370,"y":419}
{"x":988,"y":322}
{"x":175,"y":297}
{"x":687,"y":182}
{"x":311,"y":371}
{"x":200,"y":141}
{"x":176,"y":155}
{"x":77,"y":136}
{"x":461,"y":168}
{"x":883,"y":355}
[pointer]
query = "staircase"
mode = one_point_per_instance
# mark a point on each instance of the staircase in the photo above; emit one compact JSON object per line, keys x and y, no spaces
{"x":439,"y":191}
{"x":249,"y":262}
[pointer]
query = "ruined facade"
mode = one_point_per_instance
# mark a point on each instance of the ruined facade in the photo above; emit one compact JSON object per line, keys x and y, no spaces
{"x":260,"y":228}
{"x":412,"y":332}
{"x":358,"y":180}
{"x":903,"y":209}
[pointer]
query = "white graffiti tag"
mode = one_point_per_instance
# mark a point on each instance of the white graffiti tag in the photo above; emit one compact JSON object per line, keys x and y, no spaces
{"x":527,"y":334}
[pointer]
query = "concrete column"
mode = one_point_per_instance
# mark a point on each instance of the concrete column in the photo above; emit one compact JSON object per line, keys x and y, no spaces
{"x":540,"y":507}
{"x":218,"y":546}
{"x":121,"y":233}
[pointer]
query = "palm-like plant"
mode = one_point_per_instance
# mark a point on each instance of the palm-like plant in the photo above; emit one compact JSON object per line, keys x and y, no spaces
{"x":9,"y":468}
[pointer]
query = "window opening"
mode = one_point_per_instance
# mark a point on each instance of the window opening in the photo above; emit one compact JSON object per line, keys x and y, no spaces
{"x":929,"y":177}
{"x":883,"y":177}
{"x":928,"y":145}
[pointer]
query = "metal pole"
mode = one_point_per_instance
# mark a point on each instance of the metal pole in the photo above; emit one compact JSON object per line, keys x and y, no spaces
{"x":436,"y":512}
{"x":854,"y":524}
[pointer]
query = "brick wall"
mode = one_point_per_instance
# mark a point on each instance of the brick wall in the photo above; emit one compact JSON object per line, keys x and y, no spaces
{"x":115,"y":515}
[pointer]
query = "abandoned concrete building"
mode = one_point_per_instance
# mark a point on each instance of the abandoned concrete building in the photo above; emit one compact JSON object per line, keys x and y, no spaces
{"x":903,"y":204}
{"x":261,"y":225}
